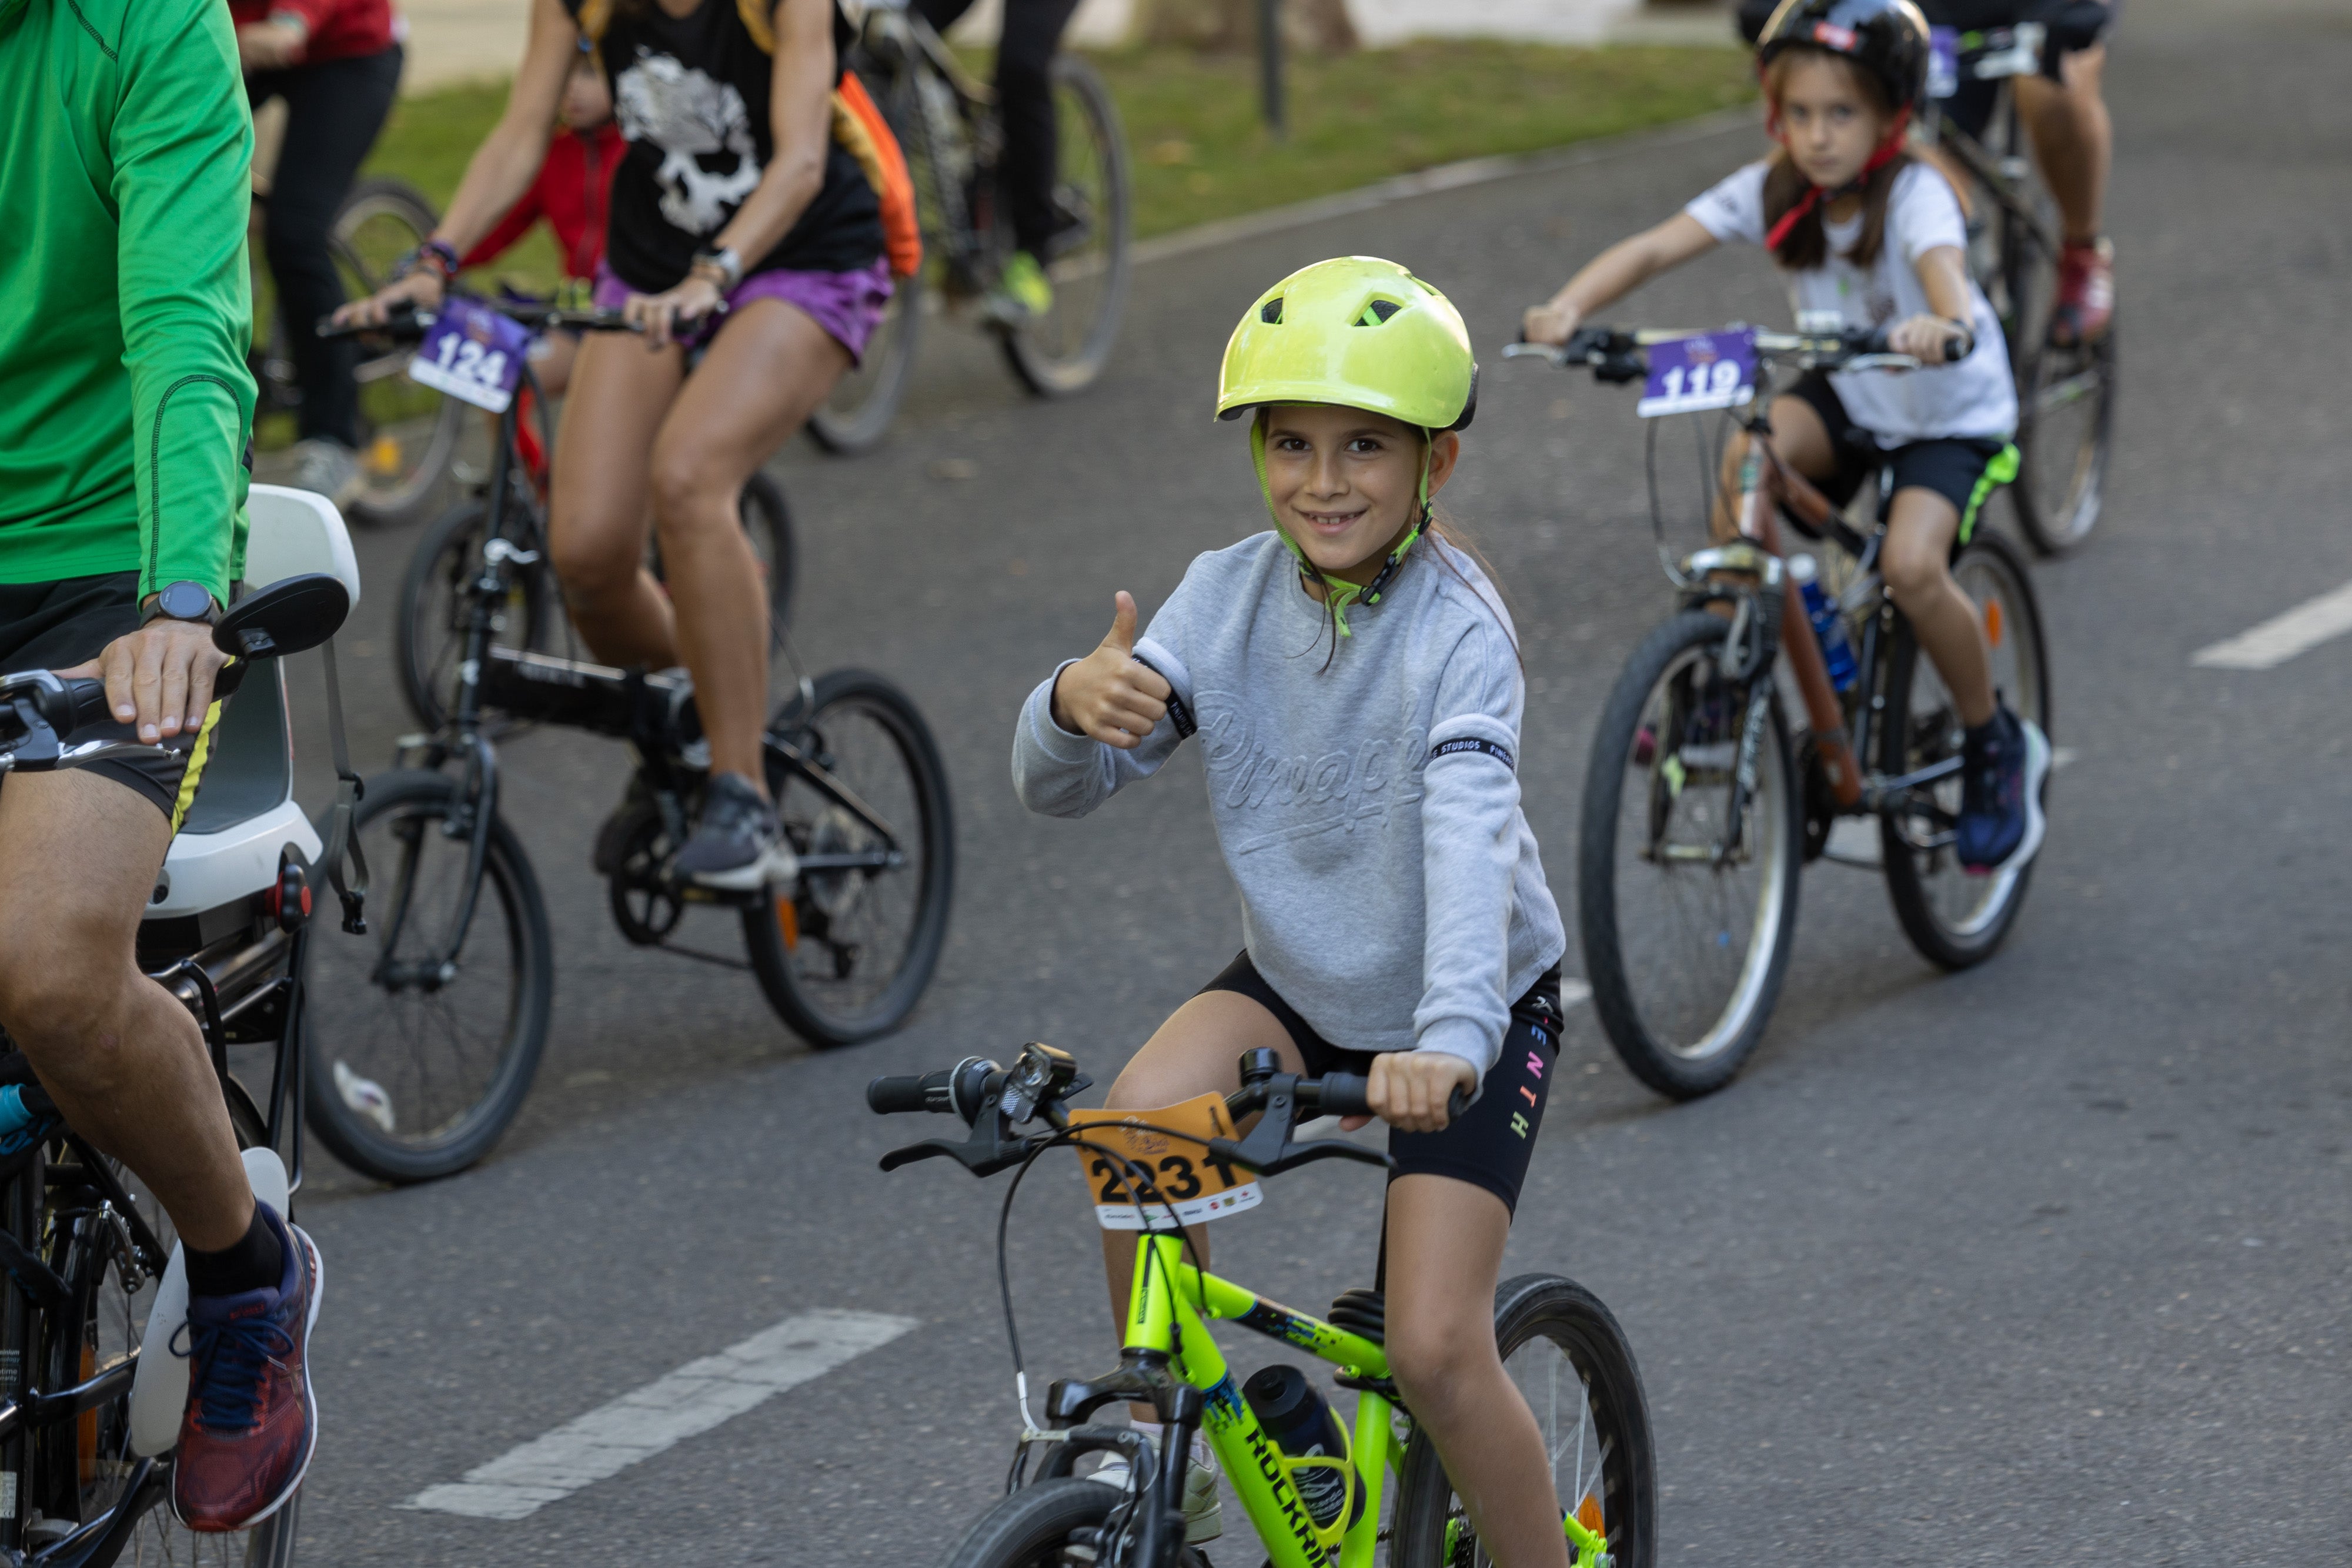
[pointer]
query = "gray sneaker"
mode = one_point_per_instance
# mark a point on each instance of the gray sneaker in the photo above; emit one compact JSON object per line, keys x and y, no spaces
{"x":738,"y":845}
{"x":328,"y":467}
{"x":1204,"y":1512}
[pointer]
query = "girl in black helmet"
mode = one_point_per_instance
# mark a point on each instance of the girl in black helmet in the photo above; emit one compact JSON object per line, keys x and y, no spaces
{"x":1871,"y":237}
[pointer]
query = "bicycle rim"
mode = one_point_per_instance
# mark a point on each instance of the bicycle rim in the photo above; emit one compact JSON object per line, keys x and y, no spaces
{"x":417,"y":1066}
{"x":2065,"y":423}
{"x":1695,"y":936}
{"x":1954,"y":917}
{"x":408,"y":431}
{"x":847,"y":953}
{"x":1065,"y":349}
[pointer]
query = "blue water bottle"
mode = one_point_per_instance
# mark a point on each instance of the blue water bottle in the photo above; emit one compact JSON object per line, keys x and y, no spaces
{"x":1828,"y":626}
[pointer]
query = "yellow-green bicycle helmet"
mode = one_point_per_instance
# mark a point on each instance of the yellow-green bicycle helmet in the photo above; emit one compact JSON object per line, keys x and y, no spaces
{"x":1358,"y":332}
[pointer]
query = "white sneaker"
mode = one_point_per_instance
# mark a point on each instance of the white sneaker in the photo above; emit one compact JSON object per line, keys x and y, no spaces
{"x":328,"y":467}
{"x":1204,"y":1511}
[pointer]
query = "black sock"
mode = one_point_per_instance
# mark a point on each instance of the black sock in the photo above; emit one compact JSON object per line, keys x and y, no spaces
{"x":255,"y":1263}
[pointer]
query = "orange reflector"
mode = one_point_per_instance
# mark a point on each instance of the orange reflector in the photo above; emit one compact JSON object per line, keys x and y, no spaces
{"x":383,"y":455}
{"x":1587,"y":1514}
{"x":788,"y":921}
{"x":1993,"y":623}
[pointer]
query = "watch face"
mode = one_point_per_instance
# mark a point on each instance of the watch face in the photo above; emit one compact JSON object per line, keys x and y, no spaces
{"x":186,"y":601}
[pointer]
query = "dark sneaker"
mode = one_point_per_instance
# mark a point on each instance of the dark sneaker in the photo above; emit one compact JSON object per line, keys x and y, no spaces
{"x":2001,"y":823}
{"x":251,"y":1422}
{"x":2086,"y":294}
{"x":738,"y":845}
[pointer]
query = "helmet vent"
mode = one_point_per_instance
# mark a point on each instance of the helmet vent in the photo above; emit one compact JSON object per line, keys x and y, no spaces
{"x":1377,"y":312}
{"x":1271,"y":312}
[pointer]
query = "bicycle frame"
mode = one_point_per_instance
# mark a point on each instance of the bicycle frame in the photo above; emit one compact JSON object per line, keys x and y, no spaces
{"x":1170,"y":1306}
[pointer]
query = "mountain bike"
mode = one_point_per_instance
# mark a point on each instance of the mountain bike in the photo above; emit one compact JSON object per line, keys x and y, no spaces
{"x":1389,"y":1500}
{"x":1699,"y":810}
{"x":429,"y":627}
{"x":946,"y":124}
{"x":90,"y":1392}
{"x":429,"y":1035}
{"x":2066,"y":396}
{"x":409,"y":432}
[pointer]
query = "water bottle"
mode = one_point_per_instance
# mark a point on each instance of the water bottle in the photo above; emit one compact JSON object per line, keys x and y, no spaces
{"x":1828,"y":625}
{"x":1301,"y":1422}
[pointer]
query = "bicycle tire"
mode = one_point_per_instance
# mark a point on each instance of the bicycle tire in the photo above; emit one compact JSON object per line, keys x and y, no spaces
{"x":429,"y":628}
{"x":768,"y":521}
{"x":344,"y":996}
{"x":1923,"y":885}
{"x":1029,"y":1528}
{"x":1055,"y":356}
{"x":1618,"y":1470}
{"x":2060,"y":487}
{"x":865,"y":400}
{"x":1706,"y":1052}
{"x":782,"y":935}
{"x":397,"y":482}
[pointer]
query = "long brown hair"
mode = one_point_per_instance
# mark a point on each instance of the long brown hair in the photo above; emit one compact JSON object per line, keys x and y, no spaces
{"x":1806,"y":245}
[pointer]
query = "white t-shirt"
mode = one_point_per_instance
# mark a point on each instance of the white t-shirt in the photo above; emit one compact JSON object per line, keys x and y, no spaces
{"x":1973,"y":397}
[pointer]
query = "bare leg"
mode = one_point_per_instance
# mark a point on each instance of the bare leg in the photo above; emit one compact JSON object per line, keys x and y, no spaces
{"x":1445,"y":1249}
{"x":1198,"y":1050}
{"x":123,"y":1059}
{"x":620,"y":391}
{"x":2074,"y":138}
{"x":767,"y":369}
{"x":1916,"y":564}
{"x":1803,"y":442}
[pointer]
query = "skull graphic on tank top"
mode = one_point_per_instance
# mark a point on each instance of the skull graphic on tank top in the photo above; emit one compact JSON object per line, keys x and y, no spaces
{"x":697,"y":122}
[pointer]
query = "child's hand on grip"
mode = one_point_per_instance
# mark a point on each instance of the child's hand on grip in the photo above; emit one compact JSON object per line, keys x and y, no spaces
{"x":1107,"y":695}
{"x":1410,"y":1089}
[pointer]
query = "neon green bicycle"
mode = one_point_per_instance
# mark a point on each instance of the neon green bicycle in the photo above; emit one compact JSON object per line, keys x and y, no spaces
{"x":1384,"y":1495}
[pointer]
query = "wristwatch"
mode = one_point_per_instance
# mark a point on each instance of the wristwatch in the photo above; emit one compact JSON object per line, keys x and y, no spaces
{"x":183,"y":601}
{"x":728,"y":265}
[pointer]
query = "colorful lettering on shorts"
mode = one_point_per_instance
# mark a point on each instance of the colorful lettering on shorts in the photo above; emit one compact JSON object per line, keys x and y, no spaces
{"x":1528,"y":1093}
{"x":1535,"y":1062}
{"x":1519,"y":1123}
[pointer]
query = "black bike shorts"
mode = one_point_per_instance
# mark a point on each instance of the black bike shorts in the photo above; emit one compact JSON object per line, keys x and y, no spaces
{"x":57,"y":625}
{"x":1487,"y":1146}
{"x":1964,"y":470}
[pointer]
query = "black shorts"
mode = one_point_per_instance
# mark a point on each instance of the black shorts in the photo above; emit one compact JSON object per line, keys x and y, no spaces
{"x":57,"y":625}
{"x":1964,"y":470}
{"x":1489,"y":1145}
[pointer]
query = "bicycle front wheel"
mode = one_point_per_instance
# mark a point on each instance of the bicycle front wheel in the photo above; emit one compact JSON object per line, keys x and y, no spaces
{"x":423,"y":1040}
{"x":408,"y":431}
{"x":1064,"y":351}
{"x":1569,"y":1361}
{"x":1954,"y":918}
{"x":2065,"y":426}
{"x":436,"y":609}
{"x":845,"y":953}
{"x":1688,"y":917}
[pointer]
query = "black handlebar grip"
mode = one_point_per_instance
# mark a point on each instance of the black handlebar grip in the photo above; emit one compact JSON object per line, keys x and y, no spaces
{"x":88,"y":697}
{"x":1456,"y":1103}
{"x":899,"y":1093}
{"x":1345,"y":1094}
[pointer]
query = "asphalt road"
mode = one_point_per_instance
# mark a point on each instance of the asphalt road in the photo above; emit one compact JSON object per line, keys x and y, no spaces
{"x":2042,"y":1262}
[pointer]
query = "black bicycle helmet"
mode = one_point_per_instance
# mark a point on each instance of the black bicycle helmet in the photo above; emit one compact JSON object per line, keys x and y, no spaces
{"x":1885,"y":37}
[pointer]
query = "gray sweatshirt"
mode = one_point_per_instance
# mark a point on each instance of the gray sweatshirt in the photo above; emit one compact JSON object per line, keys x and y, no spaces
{"x":1369,"y":811}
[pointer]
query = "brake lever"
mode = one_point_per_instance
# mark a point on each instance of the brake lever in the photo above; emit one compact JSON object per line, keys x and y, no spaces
{"x":1269,"y":1150}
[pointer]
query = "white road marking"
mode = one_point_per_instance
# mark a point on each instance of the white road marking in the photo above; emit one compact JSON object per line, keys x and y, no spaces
{"x":2282,"y":637}
{"x":637,"y":1426}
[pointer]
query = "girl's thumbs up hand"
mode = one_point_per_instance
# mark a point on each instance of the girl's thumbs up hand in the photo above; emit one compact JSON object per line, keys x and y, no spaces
{"x":1107,"y":695}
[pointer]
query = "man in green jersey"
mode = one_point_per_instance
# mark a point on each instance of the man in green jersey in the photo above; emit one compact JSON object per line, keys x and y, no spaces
{"x":125,"y":408}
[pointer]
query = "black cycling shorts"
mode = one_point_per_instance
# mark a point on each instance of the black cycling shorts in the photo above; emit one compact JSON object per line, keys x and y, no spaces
{"x":57,"y":625}
{"x":1490,"y":1144}
{"x":1964,"y":470}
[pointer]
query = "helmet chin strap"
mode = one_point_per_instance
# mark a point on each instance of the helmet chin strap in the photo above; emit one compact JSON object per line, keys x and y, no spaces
{"x":1338,"y":592}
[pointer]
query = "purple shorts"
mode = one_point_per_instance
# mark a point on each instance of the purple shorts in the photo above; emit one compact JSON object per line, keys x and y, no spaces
{"x":848,"y":305}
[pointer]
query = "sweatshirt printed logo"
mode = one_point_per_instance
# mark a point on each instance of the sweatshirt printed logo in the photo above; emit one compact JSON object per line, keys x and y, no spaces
{"x":690,"y":117}
{"x":1295,"y":795}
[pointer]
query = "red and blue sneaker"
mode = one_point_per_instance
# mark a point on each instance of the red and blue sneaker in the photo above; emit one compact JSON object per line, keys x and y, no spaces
{"x":251,"y":1423}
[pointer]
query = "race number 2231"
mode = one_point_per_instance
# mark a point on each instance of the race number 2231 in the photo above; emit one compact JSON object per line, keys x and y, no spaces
{"x":1168,"y":1148}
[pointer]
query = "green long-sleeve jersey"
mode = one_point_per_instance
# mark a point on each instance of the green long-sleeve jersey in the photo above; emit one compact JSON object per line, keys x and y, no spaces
{"x":125,"y":403}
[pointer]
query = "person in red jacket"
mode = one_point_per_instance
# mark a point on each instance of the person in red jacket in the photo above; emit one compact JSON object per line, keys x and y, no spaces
{"x":573,"y":192}
{"x":337,"y":65}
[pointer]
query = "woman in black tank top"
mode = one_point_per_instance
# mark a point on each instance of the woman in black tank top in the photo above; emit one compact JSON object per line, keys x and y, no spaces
{"x":732,"y":194}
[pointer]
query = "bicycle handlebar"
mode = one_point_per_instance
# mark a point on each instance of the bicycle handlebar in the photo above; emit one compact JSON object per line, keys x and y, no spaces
{"x":410,"y":324}
{"x":1613,"y":354}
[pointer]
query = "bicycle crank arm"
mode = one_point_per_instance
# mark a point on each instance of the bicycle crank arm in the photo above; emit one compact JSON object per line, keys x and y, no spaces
{"x":1882,"y":795}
